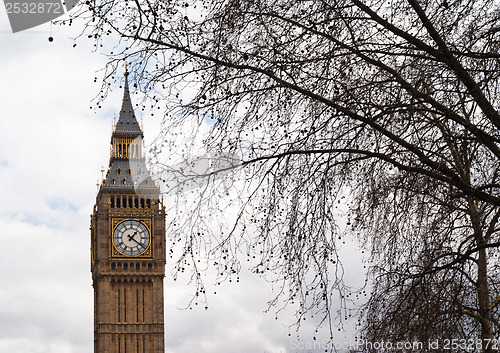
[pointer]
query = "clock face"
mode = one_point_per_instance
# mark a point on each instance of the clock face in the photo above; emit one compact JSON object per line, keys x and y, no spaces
{"x":131,"y":238}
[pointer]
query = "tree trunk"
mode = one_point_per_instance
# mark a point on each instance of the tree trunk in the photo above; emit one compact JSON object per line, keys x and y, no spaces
{"x":487,"y":334}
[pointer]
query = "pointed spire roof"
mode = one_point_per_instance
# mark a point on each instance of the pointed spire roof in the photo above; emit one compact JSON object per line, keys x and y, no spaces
{"x":127,"y":170}
{"x":127,"y":123}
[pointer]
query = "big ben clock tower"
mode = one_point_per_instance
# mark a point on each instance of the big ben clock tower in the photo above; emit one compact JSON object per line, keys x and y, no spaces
{"x":128,"y":247}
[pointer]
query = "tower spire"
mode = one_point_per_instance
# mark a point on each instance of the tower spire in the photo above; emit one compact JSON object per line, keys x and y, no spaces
{"x":127,"y":168}
{"x":127,"y":121}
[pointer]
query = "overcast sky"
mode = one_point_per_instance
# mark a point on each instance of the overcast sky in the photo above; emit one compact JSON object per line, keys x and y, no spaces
{"x":52,"y":149}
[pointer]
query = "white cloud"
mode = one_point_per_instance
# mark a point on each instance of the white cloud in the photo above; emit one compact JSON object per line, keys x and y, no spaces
{"x":51,"y":149}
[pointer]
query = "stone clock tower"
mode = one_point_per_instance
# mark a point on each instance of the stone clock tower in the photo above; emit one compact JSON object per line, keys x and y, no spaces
{"x":128,"y":247}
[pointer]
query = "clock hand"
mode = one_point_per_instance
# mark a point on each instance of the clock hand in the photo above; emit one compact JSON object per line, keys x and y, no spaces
{"x":131,"y":237}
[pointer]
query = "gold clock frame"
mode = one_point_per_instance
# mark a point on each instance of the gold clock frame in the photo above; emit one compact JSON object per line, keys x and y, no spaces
{"x":117,"y":255}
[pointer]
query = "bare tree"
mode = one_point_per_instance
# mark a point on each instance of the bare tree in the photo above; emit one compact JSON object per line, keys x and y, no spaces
{"x":388,"y":107}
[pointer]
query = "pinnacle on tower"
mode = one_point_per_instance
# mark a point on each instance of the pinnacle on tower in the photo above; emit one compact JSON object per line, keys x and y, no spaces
{"x":127,"y":123}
